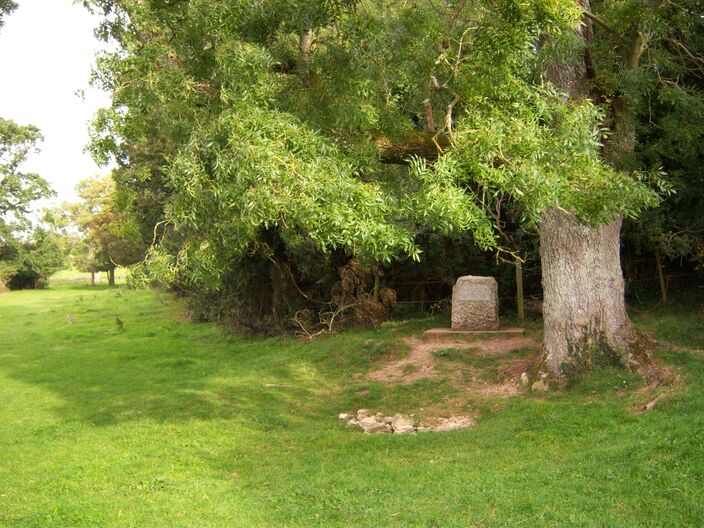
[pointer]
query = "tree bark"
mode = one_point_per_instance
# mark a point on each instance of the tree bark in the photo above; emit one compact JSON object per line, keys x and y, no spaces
{"x":111,"y":277}
{"x":419,"y":144}
{"x":92,"y":277}
{"x":619,"y":150}
{"x":661,"y":276}
{"x":520,"y":303}
{"x":305,"y":45}
{"x":584,"y":310}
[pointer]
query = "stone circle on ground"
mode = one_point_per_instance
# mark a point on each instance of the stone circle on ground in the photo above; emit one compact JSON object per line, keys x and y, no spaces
{"x":401,"y":424}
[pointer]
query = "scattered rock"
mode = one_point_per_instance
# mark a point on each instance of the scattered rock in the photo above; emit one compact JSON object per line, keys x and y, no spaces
{"x":362,"y":413}
{"x":540,"y":386}
{"x":525,"y":379}
{"x":371,"y":425}
{"x":402,"y":424}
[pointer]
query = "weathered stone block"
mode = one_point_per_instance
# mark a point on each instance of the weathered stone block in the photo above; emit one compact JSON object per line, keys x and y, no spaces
{"x":475,"y":303}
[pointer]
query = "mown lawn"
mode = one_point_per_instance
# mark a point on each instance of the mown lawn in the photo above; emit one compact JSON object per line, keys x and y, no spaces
{"x":162,"y":422}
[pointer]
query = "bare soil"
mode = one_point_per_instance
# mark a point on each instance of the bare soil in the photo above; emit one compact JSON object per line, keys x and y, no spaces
{"x":482,"y":369}
{"x":422,"y":363}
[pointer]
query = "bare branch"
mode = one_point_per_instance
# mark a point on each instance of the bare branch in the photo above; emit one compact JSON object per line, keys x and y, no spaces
{"x":601,"y":23}
{"x":429,"y":120}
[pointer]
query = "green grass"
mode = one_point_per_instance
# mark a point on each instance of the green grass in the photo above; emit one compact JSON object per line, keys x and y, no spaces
{"x":166,"y":423}
{"x":80,"y":277}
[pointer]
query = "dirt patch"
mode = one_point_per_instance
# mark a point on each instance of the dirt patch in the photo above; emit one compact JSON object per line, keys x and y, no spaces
{"x":451,"y":423}
{"x":514,"y":369}
{"x":663,"y":381}
{"x":477,"y":369}
{"x":504,"y":345}
{"x":418,"y":364}
{"x":421,"y":363}
{"x":677,"y":348}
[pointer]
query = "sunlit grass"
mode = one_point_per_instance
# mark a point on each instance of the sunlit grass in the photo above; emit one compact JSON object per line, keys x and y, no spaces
{"x":72,"y":276}
{"x":160,"y":422}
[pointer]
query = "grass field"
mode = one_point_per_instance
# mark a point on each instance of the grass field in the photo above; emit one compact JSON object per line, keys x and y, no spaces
{"x":76,"y":277}
{"x":160,"y":422}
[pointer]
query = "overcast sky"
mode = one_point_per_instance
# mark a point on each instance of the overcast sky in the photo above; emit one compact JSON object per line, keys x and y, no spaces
{"x":47,"y":49}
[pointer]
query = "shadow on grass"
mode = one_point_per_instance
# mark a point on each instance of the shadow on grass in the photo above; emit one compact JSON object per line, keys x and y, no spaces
{"x":118,"y":355}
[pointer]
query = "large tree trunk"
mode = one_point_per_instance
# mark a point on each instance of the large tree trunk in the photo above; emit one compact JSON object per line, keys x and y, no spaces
{"x":111,"y":277}
{"x":584,"y":309}
{"x":585,"y":319}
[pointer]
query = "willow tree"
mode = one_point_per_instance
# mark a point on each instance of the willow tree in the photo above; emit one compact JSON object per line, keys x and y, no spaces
{"x":353,"y":124}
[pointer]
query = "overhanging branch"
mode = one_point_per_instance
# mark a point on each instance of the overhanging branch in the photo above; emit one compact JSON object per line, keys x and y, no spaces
{"x":400,"y":150}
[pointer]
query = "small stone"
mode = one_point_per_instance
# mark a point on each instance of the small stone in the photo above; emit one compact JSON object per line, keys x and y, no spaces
{"x":525,"y":379}
{"x":540,"y":386}
{"x":402,"y":424}
{"x":380,"y":416}
{"x":371,"y":425}
{"x":422,"y":428}
{"x":388,"y":419}
{"x":344,"y":416}
{"x":362,"y":413}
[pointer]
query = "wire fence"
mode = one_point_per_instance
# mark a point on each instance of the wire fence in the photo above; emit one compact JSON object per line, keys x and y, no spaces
{"x":531,"y":297}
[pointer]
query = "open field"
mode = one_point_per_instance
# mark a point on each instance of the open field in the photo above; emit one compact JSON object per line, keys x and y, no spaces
{"x":118,"y":412}
{"x":81,"y":277}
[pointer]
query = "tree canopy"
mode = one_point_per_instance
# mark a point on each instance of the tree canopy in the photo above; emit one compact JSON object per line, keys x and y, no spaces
{"x":17,"y":188}
{"x":237,"y":117}
{"x":108,"y":236}
{"x":6,"y":7}
{"x":296,"y":132}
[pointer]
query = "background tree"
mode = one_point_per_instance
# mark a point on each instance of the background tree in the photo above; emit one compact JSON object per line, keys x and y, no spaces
{"x":6,"y":7}
{"x":27,"y":262}
{"x":26,"y":257}
{"x":663,"y":92}
{"x":108,"y":234}
{"x":17,"y":188}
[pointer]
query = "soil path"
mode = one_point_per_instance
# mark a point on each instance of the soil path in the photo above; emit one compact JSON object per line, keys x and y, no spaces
{"x":421,"y":362}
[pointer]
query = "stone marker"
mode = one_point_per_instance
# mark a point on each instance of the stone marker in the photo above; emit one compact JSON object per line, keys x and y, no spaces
{"x":475,"y":303}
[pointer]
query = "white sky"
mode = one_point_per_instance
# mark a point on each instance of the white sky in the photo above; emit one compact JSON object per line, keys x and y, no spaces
{"x":47,"y":49}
